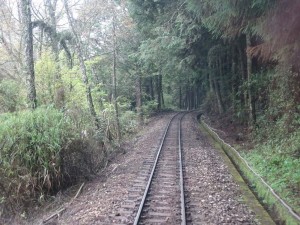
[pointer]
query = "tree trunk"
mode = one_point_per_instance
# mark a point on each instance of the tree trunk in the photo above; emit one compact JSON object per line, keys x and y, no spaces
{"x":210,"y":78}
{"x":161,"y":91}
{"x":216,"y":88}
{"x":51,"y":8}
{"x":249,"y":73}
{"x":195,"y":98}
{"x":28,"y":65}
{"x":180,"y":98}
{"x":151,"y":88}
{"x":221,"y":79}
{"x":59,"y":88}
{"x":114,"y":78}
{"x":138,"y":90}
{"x":82,"y":66}
{"x":188,"y":94}
{"x":218,"y":96}
{"x":233,"y":84}
{"x":243,"y":73}
{"x":158,"y":93}
{"x":191,"y":98}
{"x":41,"y":40}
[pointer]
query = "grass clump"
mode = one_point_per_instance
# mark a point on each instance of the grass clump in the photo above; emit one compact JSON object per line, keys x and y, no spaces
{"x":30,"y":146}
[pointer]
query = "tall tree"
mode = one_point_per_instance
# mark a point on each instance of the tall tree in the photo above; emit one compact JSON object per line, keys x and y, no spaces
{"x":28,"y":64}
{"x":51,"y":6}
{"x":114,"y":76}
{"x":78,"y":46}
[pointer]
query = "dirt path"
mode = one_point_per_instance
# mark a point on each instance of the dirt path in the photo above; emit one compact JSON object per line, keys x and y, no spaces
{"x":214,"y":197}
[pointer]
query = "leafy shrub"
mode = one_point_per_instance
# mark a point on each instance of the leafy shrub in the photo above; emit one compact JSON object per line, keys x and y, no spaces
{"x":46,"y":77}
{"x":10,"y":96}
{"x":128,"y":121}
{"x":149,"y":107}
{"x":30,"y":146}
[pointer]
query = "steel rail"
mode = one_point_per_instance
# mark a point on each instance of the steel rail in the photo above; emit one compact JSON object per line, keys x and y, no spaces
{"x":183,"y":219}
{"x":141,"y":206}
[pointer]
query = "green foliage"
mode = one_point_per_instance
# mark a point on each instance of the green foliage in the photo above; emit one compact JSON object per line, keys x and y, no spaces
{"x":227,"y":19}
{"x":281,"y":113}
{"x":128,"y":122}
{"x":109,"y":118}
{"x":75,"y":91}
{"x":11,"y":98}
{"x":149,"y":107}
{"x":31,"y":142}
{"x":46,"y":74}
{"x":169,"y":102}
{"x":278,"y":161}
{"x":276,"y":155}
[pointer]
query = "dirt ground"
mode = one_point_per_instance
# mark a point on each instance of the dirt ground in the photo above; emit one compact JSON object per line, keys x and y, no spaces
{"x":216,"y":192}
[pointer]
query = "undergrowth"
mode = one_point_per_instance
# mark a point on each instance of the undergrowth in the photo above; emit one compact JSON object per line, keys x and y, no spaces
{"x":277,"y":160}
{"x":30,"y":145}
{"x":45,"y":150}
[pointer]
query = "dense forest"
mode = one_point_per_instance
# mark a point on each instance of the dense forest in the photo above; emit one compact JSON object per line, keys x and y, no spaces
{"x":78,"y":77}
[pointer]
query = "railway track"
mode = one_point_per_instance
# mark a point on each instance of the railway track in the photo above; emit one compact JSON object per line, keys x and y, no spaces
{"x":163,"y":198}
{"x":165,"y":192}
